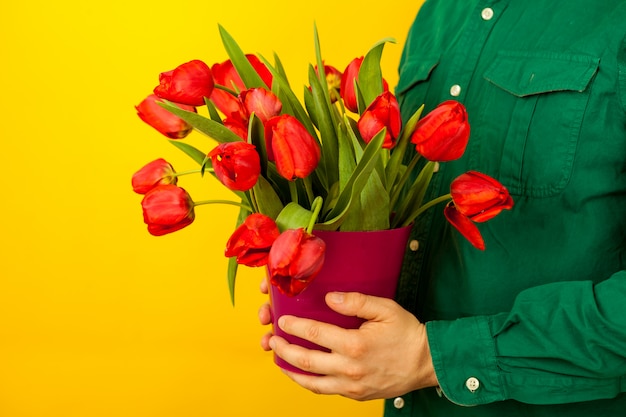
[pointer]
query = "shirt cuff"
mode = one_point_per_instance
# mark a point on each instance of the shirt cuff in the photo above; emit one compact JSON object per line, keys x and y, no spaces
{"x":464,"y":357}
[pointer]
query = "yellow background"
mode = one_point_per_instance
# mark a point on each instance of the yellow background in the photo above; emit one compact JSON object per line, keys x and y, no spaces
{"x":97,"y":317}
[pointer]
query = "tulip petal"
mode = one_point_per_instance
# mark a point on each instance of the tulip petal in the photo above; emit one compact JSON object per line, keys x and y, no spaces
{"x":465,"y":226}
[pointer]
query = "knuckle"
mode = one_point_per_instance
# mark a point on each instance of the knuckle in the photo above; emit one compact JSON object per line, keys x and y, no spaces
{"x":304,"y":363}
{"x":354,"y":372}
{"x":312,"y":332}
{"x":355,"y":349}
{"x":356,"y":392}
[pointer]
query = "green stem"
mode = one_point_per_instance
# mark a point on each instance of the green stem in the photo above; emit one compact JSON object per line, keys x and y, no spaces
{"x":425,"y":207}
{"x":308,"y":186}
{"x":293,"y":191}
{"x":193,"y":171}
{"x":315,"y":207}
{"x":229,"y":202}
{"x":397,"y":190}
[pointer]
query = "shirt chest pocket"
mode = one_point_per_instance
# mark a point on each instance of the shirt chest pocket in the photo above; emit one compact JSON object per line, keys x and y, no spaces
{"x":548,"y":95}
{"x":412,"y":88}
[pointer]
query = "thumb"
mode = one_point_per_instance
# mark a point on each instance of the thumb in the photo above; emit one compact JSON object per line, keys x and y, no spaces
{"x":360,"y":305}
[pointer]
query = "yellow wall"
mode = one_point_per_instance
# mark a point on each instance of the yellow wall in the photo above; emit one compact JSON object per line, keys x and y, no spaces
{"x":97,"y":317}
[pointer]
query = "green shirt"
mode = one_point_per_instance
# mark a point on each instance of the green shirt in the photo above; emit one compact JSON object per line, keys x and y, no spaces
{"x":535,"y":325}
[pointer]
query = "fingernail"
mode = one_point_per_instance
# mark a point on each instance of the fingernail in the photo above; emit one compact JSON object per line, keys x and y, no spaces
{"x":272,"y":343}
{"x":336,"y":297}
{"x":281,"y":322}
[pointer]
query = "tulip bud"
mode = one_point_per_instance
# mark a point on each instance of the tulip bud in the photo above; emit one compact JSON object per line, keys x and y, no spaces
{"x":264,"y":104}
{"x":291,"y":146}
{"x":384,"y":112}
{"x":226,"y":75}
{"x":236,"y":164}
{"x":251,"y":242}
{"x":166,"y":209}
{"x":347,"y":85}
{"x":295,"y":260}
{"x":157,"y":172}
{"x":442,"y":134}
{"x":188,"y":83}
{"x":479,"y":196}
{"x":163,"y":120}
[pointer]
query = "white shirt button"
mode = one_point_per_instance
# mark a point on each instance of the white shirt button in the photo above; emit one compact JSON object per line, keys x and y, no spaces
{"x":414,"y":245}
{"x":398,"y":402}
{"x":487,"y":13}
{"x":472,"y":384}
{"x":455,"y":90}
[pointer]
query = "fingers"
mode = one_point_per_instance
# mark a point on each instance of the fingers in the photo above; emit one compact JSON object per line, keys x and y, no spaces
{"x":360,"y":305}
{"x":314,"y":361}
{"x":265,"y":314}
{"x":322,"y":334}
{"x":263,"y":286}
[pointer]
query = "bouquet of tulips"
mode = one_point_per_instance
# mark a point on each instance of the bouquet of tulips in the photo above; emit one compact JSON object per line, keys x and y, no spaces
{"x":334,"y":160}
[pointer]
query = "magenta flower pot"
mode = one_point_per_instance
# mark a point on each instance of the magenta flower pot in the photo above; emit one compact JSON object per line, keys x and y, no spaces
{"x":365,"y":262}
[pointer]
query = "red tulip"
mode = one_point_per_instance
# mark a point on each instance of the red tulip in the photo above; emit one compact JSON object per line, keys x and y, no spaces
{"x":384,"y":112}
{"x":162,"y":120}
{"x":295,"y":259}
{"x":347,"y":84}
{"x":263,"y":103}
{"x":479,"y":197}
{"x":225,"y":74}
{"x":291,"y":146}
{"x":346,"y":89}
{"x":442,"y":134}
{"x":333,"y":80}
{"x":188,"y":83}
{"x":237,"y":165}
{"x":157,"y":172}
{"x":237,"y":126}
{"x":251,"y":242}
{"x":166,"y":209}
{"x":464,"y":225}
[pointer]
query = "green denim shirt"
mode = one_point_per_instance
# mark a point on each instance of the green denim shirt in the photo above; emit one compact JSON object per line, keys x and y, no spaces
{"x":535,"y":325}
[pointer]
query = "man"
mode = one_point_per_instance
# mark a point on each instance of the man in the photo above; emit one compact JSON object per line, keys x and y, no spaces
{"x":536,"y":324}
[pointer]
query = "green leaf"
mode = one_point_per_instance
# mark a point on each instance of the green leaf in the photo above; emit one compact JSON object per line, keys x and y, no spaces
{"x":195,"y":154}
{"x":321,"y":71}
{"x":370,"y":211}
{"x":355,"y":184}
{"x":293,"y":216}
{"x":213,"y":113}
{"x":265,"y":198}
{"x":288,"y":98}
{"x":211,"y":128}
{"x":415,"y":196}
{"x":370,"y":73}
{"x":397,"y":154}
{"x":232,"y":262}
{"x":327,"y":126}
{"x":256,"y":136}
{"x":246,"y":71}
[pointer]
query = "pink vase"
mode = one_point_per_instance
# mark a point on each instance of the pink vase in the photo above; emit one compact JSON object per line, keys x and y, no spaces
{"x":365,"y":262}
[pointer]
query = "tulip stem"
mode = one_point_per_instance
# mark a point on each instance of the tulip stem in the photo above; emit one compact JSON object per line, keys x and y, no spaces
{"x":425,"y":207}
{"x":405,"y":176}
{"x":229,"y":202}
{"x":316,"y":206}
{"x":193,"y":171}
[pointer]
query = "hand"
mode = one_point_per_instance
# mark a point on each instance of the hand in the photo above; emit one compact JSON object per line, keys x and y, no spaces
{"x":265,"y":317}
{"x":387,"y":356}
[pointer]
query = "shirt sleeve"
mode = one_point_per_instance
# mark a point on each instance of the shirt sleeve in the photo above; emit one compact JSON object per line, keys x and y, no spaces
{"x":560,"y":343}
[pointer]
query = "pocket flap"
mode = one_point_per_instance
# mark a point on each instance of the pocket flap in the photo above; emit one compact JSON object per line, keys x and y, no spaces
{"x":524,"y":74}
{"x":415,"y":71}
